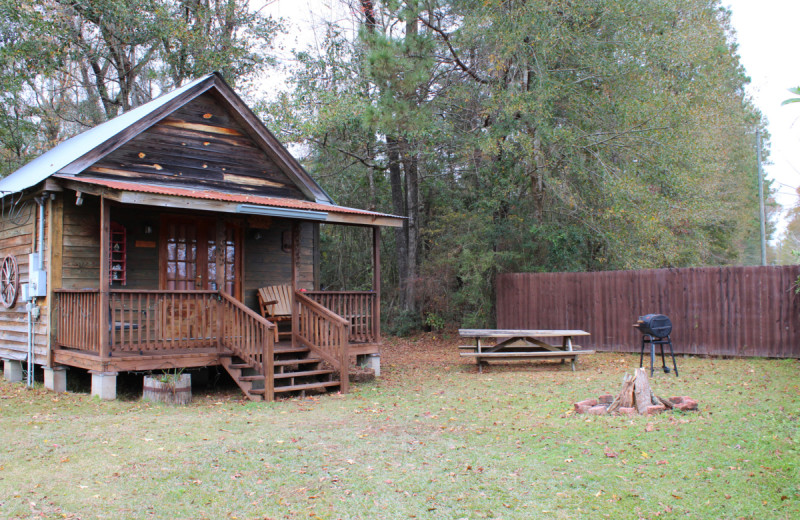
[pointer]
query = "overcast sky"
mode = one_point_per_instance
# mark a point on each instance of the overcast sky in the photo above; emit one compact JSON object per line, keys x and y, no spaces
{"x":766,"y":31}
{"x":767,"y":34}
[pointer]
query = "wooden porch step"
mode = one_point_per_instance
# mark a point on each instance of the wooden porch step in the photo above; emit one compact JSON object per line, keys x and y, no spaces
{"x":304,"y":361}
{"x":252,"y":378}
{"x":287,"y":375}
{"x":308,"y":386}
{"x":239,"y":366}
{"x":289,"y":350}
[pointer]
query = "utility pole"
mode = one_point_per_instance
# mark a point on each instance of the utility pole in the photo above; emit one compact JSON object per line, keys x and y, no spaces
{"x":761,"y":213}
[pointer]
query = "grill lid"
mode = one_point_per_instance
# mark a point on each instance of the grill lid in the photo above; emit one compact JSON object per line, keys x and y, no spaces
{"x":656,"y":325}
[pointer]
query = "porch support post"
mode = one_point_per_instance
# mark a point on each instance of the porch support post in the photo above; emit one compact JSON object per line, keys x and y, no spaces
{"x":295,"y":274}
{"x":55,"y":229}
{"x":102,"y":314}
{"x":220,"y":281}
{"x":376,"y":283}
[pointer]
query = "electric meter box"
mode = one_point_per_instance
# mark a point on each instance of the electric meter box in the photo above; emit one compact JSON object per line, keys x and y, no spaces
{"x":37,"y":279}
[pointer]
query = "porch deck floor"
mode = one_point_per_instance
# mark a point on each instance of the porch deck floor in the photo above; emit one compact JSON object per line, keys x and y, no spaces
{"x":173,"y":358}
{"x":134,"y":361}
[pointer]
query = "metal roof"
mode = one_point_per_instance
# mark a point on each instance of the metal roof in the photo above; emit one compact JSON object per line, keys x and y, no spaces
{"x":76,"y":147}
{"x":235,"y":198}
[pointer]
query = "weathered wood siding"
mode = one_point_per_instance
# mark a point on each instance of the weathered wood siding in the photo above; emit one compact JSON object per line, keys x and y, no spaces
{"x":199,"y":145}
{"x":142,"y":248}
{"x":265,"y":263}
{"x":81,"y":238}
{"x":732,"y":311}
{"x":17,"y":237}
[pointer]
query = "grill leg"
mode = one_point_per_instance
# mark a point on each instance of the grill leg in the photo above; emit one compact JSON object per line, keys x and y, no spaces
{"x":652,"y":356}
{"x":641,"y":355}
{"x":663,"y":361}
{"x":671,"y":353}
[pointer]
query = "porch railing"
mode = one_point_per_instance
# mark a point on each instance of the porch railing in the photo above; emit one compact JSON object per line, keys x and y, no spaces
{"x":324,"y":332}
{"x":143,"y":321}
{"x":76,"y":320}
{"x":250,"y":337}
{"x":359,"y":308}
{"x":151,"y":321}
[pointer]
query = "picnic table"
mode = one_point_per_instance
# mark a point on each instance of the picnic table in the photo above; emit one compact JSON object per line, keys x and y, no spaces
{"x":514,"y":345}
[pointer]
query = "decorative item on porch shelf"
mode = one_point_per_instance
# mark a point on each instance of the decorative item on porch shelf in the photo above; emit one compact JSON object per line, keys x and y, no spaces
{"x":168,"y":387}
{"x":118,"y":257}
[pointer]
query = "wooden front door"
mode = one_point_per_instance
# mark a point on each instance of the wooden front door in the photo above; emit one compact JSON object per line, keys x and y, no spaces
{"x":193,"y":251}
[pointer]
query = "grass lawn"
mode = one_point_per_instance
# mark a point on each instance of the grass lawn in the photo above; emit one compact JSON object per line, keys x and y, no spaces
{"x":431,"y":438}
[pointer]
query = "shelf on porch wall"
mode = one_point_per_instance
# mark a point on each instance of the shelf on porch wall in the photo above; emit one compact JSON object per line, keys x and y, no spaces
{"x":117,"y":255}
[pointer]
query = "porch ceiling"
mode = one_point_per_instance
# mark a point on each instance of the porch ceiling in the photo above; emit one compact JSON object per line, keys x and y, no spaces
{"x":210,"y":200}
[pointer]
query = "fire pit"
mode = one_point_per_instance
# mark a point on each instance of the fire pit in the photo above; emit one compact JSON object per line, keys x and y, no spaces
{"x":655,"y":329}
{"x":635,"y":397}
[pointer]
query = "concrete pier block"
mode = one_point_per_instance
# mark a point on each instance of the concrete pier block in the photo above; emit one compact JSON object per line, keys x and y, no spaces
{"x":104,"y":385}
{"x":55,"y":379}
{"x":373,"y":361}
{"x":12,"y":370}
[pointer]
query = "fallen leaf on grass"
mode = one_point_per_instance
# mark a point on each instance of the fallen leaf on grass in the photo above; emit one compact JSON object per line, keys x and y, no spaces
{"x":609,"y":453}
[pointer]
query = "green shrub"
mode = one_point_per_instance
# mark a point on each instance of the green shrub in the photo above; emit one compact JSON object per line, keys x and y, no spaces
{"x":404,"y":323}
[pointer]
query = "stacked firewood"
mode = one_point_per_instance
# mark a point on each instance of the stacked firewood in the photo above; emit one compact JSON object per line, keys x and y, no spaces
{"x":635,"y":397}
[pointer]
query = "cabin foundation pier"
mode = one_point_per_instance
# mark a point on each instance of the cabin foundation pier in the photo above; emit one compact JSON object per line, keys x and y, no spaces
{"x":55,"y":379}
{"x":372,"y":361}
{"x":104,"y":385}
{"x":12,"y":370}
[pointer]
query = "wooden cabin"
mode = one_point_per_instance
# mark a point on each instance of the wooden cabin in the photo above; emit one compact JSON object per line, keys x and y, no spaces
{"x":141,"y":245}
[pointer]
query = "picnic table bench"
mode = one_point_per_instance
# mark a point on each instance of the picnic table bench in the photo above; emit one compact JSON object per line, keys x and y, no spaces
{"x":512,"y":345}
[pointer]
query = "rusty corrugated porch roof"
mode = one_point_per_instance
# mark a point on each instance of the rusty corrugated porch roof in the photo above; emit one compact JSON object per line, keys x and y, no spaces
{"x":235,"y":202}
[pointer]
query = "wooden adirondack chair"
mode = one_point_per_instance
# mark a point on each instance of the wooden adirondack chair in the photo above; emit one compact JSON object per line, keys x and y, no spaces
{"x":275,"y":303}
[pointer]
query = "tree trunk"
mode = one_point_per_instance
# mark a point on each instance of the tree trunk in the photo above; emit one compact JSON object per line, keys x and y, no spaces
{"x":412,"y":252}
{"x":398,"y":208}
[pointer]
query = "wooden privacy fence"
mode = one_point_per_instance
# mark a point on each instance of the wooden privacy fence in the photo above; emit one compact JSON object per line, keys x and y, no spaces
{"x":730,"y":311}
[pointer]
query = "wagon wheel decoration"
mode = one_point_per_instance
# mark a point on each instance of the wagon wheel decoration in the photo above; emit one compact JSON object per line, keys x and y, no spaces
{"x":9,"y":282}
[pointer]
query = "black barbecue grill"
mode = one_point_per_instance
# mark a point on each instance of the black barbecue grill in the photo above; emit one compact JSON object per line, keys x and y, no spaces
{"x":655,"y":329}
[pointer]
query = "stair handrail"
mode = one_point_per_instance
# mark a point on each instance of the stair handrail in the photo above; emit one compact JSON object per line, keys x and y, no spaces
{"x":265,"y":366}
{"x":340,"y":359}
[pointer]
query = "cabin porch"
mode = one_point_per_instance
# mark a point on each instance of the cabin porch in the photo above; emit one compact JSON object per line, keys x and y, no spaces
{"x":140,"y":330}
{"x":170,"y":289}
